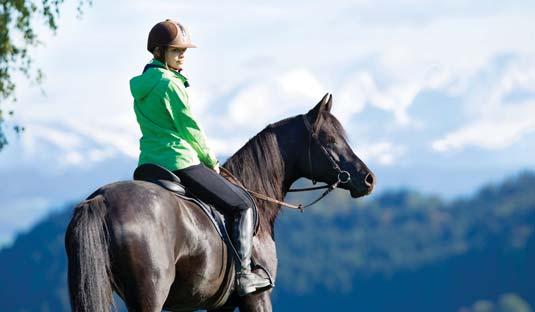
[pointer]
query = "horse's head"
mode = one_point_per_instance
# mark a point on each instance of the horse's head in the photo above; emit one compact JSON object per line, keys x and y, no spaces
{"x":328,"y":157}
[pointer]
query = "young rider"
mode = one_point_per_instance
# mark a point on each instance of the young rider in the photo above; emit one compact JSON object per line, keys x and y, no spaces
{"x":172,"y":138}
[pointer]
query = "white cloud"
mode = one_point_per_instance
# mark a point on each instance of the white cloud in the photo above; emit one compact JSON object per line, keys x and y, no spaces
{"x":99,"y":155}
{"x":300,"y":83}
{"x":384,"y":153}
{"x":269,"y":100}
{"x":361,"y":89}
{"x":352,"y":96}
{"x":73,"y":158}
{"x":402,"y":54}
{"x":61,"y":139}
{"x":497,"y":121}
{"x":257,"y":104}
{"x":67,"y":144}
{"x":505,"y":127}
{"x":252,"y":106}
{"x":226,"y":146}
{"x":117,"y":136}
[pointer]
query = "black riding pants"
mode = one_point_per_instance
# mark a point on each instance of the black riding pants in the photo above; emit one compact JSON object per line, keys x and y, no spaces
{"x":210,"y":187}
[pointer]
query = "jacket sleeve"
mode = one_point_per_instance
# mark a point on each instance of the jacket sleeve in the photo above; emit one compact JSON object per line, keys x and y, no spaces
{"x":187,"y":126}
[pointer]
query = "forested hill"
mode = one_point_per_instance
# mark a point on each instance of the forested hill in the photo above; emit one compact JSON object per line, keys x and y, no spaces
{"x":402,"y":251}
{"x":406,"y":251}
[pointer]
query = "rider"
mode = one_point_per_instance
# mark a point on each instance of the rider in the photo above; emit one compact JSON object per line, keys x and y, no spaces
{"x":172,"y":138}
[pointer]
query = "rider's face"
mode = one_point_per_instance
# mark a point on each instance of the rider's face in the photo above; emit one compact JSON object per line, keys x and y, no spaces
{"x":174,"y":57}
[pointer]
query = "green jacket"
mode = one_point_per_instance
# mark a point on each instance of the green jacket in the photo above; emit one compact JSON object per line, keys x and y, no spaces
{"x":171,"y":137}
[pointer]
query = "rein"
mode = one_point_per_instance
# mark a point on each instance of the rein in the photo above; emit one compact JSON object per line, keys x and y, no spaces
{"x":342,"y":175}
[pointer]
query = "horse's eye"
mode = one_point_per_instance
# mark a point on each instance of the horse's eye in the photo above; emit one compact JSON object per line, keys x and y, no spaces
{"x":331,"y":141}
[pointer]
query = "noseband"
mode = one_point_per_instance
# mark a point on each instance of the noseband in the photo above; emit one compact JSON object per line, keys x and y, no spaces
{"x":342,"y":176}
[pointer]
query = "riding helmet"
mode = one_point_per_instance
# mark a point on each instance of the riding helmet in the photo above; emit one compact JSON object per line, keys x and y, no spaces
{"x":169,"y":33}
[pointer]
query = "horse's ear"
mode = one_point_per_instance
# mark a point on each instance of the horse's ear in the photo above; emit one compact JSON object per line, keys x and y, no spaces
{"x":329,"y":103}
{"x":324,"y":105}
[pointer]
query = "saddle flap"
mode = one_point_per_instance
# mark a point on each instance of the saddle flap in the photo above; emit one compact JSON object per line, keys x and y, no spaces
{"x":161,"y":176}
{"x":171,"y":186}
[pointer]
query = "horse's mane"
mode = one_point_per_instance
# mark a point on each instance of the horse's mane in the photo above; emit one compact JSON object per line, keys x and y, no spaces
{"x":259,"y":165}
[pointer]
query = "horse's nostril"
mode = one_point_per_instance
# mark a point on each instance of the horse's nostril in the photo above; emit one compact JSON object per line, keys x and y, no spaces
{"x":369,"y":179}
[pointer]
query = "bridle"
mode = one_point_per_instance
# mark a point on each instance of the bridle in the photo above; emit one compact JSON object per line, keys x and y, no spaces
{"x":342,"y":176}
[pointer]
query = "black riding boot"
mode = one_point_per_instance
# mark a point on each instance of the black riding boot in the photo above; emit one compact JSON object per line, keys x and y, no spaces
{"x":247,"y":282}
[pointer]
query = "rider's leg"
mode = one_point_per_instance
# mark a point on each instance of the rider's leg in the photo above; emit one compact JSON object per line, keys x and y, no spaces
{"x":212,"y":188}
{"x":242,"y":236}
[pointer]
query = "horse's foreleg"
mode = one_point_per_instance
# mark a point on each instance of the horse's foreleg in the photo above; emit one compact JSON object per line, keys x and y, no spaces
{"x":256,"y":303}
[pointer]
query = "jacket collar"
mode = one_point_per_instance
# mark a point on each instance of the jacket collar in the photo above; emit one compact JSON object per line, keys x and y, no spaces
{"x":177,"y":73}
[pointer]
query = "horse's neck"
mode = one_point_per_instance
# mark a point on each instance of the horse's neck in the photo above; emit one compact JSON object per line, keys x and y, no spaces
{"x":266,"y":165}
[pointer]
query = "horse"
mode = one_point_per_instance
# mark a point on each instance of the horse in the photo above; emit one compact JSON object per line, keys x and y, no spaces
{"x":157,"y":251}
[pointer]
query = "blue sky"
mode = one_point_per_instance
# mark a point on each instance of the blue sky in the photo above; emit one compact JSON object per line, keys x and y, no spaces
{"x":435,"y":95}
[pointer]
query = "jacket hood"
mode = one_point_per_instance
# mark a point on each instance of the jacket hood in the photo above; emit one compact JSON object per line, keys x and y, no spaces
{"x":142,"y":85}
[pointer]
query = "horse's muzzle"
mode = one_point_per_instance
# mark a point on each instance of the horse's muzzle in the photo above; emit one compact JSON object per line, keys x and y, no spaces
{"x":365,"y":188}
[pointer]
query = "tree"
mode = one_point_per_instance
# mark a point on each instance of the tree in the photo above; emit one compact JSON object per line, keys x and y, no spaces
{"x":17,"y":18}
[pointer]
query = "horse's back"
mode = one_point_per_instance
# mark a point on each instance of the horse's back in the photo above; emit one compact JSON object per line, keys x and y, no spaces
{"x":133,"y":201}
{"x":135,"y":207}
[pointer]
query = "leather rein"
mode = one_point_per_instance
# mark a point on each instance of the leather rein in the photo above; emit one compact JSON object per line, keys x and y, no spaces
{"x":342,"y":175}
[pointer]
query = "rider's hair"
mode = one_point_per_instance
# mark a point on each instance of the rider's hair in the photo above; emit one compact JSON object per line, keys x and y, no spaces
{"x":160,"y":56}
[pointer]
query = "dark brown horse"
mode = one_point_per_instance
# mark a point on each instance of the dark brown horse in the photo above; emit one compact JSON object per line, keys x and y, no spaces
{"x":157,"y":251}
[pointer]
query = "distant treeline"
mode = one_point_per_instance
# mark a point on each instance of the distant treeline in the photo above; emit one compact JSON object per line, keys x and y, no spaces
{"x":401,"y":251}
{"x":404,"y":251}
{"x":400,"y":230}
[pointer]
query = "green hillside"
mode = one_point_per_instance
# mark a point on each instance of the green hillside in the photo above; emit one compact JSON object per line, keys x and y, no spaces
{"x":400,"y":230}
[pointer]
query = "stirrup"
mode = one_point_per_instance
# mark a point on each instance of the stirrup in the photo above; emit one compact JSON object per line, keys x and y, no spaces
{"x":256,"y":283}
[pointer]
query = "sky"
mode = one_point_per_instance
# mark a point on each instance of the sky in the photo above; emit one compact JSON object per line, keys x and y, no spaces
{"x":438,"y":96}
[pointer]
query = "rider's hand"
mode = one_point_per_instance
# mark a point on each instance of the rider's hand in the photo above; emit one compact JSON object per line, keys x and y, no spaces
{"x":216,"y":168}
